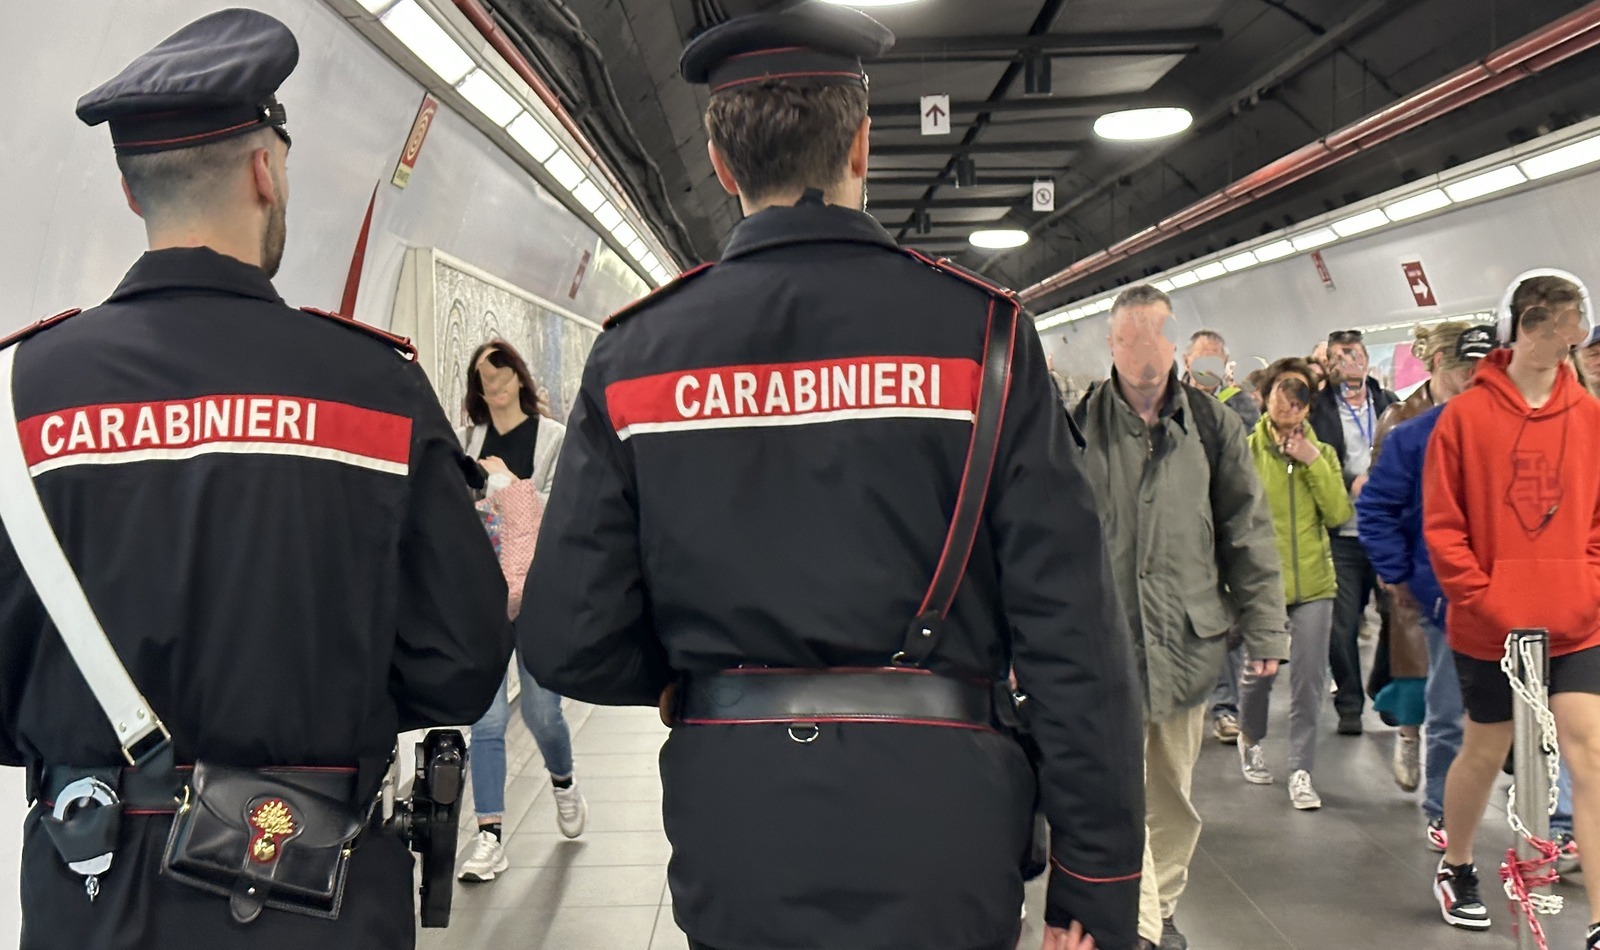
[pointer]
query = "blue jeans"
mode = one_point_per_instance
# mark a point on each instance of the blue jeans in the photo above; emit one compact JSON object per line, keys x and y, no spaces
{"x":1443,"y":732}
{"x":1443,"y":723}
{"x":1225,"y":698}
{"x":541,"y":710}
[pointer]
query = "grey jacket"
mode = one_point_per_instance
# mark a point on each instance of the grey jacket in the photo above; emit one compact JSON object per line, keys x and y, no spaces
{"x":546,"y":450}
{"x":1187,"y":571}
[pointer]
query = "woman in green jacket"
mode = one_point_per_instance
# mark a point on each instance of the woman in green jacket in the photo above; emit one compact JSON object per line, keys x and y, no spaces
{"x":1305,"y":489}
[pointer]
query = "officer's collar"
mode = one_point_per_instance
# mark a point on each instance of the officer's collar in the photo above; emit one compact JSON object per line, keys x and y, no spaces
{"x":195,"y":268}
{"x":809,"y":222}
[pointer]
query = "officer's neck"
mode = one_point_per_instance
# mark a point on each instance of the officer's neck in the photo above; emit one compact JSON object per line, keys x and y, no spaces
{"x":234,"y":243}
{"x":846,"y":194}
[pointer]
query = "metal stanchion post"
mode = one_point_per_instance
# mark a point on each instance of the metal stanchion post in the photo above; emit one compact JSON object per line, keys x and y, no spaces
{"x":1530,"y":771}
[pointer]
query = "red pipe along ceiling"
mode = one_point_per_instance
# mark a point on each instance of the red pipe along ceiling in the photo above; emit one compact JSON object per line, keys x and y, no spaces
{"x":1532,"y":54}
{"x":483,"y":21}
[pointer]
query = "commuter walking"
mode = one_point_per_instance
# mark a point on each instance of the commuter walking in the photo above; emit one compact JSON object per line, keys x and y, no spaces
{"x":1345,"y":416}
{"x":1207,"y":367}
{"x":1390,"y":515}
{"x":1153,"y":445}
{"x":1511,"y":505}
{"x":1307,"y":497}
{"x":514,"y":438}
{"x":277,"y":565}
{"x":773,"y":476}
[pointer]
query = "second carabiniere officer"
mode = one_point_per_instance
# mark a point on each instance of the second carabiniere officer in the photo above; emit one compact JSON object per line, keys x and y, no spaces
{"x":757,"y":483}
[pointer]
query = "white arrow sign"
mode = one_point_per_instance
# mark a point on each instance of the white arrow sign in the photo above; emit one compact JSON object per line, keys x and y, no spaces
{"x":1044,"y":195}
{"x":935,"y":115}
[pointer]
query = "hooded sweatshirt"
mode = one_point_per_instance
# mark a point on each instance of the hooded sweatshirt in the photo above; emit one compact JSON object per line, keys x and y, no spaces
{"x":1511,"y":513}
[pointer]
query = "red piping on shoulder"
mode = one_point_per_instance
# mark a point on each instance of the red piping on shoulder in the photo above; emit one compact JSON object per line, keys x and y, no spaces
{"x":1094,"y":880}
{"x":35,"y":327}
{"x":946,"y":266}
{"x":398,"y":342}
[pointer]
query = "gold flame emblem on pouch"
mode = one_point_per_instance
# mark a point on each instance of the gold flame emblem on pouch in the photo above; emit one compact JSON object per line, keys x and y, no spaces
{"x":273,"y":821}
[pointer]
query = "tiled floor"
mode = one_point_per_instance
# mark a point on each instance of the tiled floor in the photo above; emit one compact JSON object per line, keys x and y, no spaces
{"x":1355,"y":874}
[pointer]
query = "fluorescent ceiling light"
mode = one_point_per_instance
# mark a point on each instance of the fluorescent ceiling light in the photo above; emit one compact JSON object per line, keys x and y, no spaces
{"x":376,"y":6}
{"x":998,"y":238}
{"x":1274,"y":251}
{"x":868,"y":3}
{"x":1417,"y":204}
{"x":1581,"y":152}
{"x":637,"y":248}
{"x":529,"y":134}
{"x":1185,"y":279}
{"x":652,"y":263}
{"x":1136,"y":125}
{"x":588,"y":195}
{"x":412,"y":26}
{"x":1103,"y":304}
{"x":1485,"y":184}
{"x":625,"y":234}
{"x":1311,"y":239}
{"x":1165,"y":286}
{"x":1240,"y":261}
{"x":1357,"y":223}
{"x":1208,"y":271}
{"x":1076,"y":313}
{"x":491,"y":98}
{"x":608,"y":215}
{"x":564,"y":170}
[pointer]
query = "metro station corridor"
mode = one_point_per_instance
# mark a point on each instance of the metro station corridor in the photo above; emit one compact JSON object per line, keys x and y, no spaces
{"x":1266,"y":877}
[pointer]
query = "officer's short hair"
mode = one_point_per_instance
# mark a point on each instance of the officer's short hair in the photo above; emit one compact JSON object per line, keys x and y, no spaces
{"x":1140,"y":295}
{"x":785,"y":135}
{"x":185,"y":178}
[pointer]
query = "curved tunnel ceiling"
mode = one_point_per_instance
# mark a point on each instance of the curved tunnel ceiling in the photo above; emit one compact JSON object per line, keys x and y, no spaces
{"x":1262,"y":77}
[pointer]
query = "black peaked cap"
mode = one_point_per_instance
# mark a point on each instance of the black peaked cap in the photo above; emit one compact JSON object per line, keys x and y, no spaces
{"x":211,"y":80}
{"x":814,"y":41}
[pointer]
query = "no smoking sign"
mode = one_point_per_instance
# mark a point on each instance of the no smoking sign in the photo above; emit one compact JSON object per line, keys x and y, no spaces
{"x":1044,"y":195}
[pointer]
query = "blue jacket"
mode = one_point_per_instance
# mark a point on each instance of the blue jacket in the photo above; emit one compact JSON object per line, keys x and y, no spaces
{"x":1389,"y":514}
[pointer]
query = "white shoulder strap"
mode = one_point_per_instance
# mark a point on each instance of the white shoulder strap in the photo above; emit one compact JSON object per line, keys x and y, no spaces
{"x":137,"y":728}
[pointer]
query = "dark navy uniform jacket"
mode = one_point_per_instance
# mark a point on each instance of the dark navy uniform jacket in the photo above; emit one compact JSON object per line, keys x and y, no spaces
{"x":760,"y":470}
{"x":268,"y":512}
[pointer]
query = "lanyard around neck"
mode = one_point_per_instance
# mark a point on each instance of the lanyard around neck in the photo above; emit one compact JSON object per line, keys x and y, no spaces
{"x":1370,"y":428}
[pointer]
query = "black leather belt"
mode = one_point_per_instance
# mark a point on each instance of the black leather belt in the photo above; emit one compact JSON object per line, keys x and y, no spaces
{"x":806,"y":697}
{"x":159,"y":789}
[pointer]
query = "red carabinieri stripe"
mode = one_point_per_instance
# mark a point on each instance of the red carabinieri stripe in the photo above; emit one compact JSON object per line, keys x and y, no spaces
{"x":1094,"y":880}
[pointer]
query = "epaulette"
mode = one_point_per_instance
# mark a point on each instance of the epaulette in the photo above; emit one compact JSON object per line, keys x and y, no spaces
{"x":398,"y":342}
{"x":947,"y":266}
{"x":37,"y":327}
{"x":670,"y":287}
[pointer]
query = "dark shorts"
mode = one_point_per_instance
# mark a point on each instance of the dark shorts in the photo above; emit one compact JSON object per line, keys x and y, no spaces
{"x":1486,"y":692}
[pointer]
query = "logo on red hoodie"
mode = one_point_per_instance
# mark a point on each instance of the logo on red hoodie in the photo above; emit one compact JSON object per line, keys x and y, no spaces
{"x":1535,"y":490}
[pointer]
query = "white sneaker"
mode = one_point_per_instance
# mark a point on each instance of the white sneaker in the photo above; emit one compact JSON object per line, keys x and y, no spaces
{"x":488,"y":859}
{"x":572,"y":812}
{"x":1253,"y":763}
{"x":1407,"y":762}
{"x":1301,"y":794}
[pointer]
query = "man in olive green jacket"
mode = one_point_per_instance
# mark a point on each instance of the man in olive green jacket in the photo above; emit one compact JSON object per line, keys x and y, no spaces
{"x":1187,"y":571}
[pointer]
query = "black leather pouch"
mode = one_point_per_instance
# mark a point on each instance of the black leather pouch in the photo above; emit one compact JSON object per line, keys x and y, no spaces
{"x":278,"y":838}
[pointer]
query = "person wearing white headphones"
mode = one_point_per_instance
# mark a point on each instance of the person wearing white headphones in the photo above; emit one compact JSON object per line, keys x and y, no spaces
{"x":1511,"y":517}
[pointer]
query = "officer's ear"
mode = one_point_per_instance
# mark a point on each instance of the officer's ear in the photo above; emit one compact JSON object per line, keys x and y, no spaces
{"x":724,"y":173}
{"x":859,"y":149}
{"x":133,"y":203}
{"x":266,"y":184}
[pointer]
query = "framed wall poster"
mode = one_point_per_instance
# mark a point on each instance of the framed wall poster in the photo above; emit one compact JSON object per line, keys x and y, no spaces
{"x":448,"y":308}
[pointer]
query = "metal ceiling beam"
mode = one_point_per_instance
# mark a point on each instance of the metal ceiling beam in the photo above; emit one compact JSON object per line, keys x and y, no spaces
{"x":979,"y":148}
{"x":1084,"y":105}
{"x":923,"y":181}
{"x":905,"y":204}
{"x":1004,"y":47}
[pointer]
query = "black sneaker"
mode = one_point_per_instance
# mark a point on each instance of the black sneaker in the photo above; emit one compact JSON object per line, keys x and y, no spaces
{"x":1171,"y":939}
{"x":1350,"y":724}
{"x":1455,"y":887}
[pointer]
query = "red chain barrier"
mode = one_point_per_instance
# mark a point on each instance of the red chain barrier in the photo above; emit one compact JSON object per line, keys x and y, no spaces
{"x":1522,"y":877}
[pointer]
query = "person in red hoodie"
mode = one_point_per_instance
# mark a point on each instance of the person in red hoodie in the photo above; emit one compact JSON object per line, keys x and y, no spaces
{"x":1511,"y":517}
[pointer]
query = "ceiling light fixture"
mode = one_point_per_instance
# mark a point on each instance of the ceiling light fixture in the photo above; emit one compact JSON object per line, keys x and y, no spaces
{"x":412,"y":26}
{"x":608,"y":215}
{"x":1211,"y":270}
{"x":868,"y":3}
{"x":1581,"y":152}
{"x":1357,"y":223}
{"x":1240,"y":261}
{"x":528,"y":133}
{"x":1274,"y":251}
{"x":490,"y":98}
{"x":625,"y":234}
{"x":1165,"y":286}
{"x":1485,"y":184}
{"x":564,"y":170}
{"x":1417,"y":204}
{"x":588,"y":195}
{"x":998,"y":238}
{"x":1185,"y":279}
{"x":1311,"y":239}
{"x":1137,"y":125}
{"x":376,"y":6}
